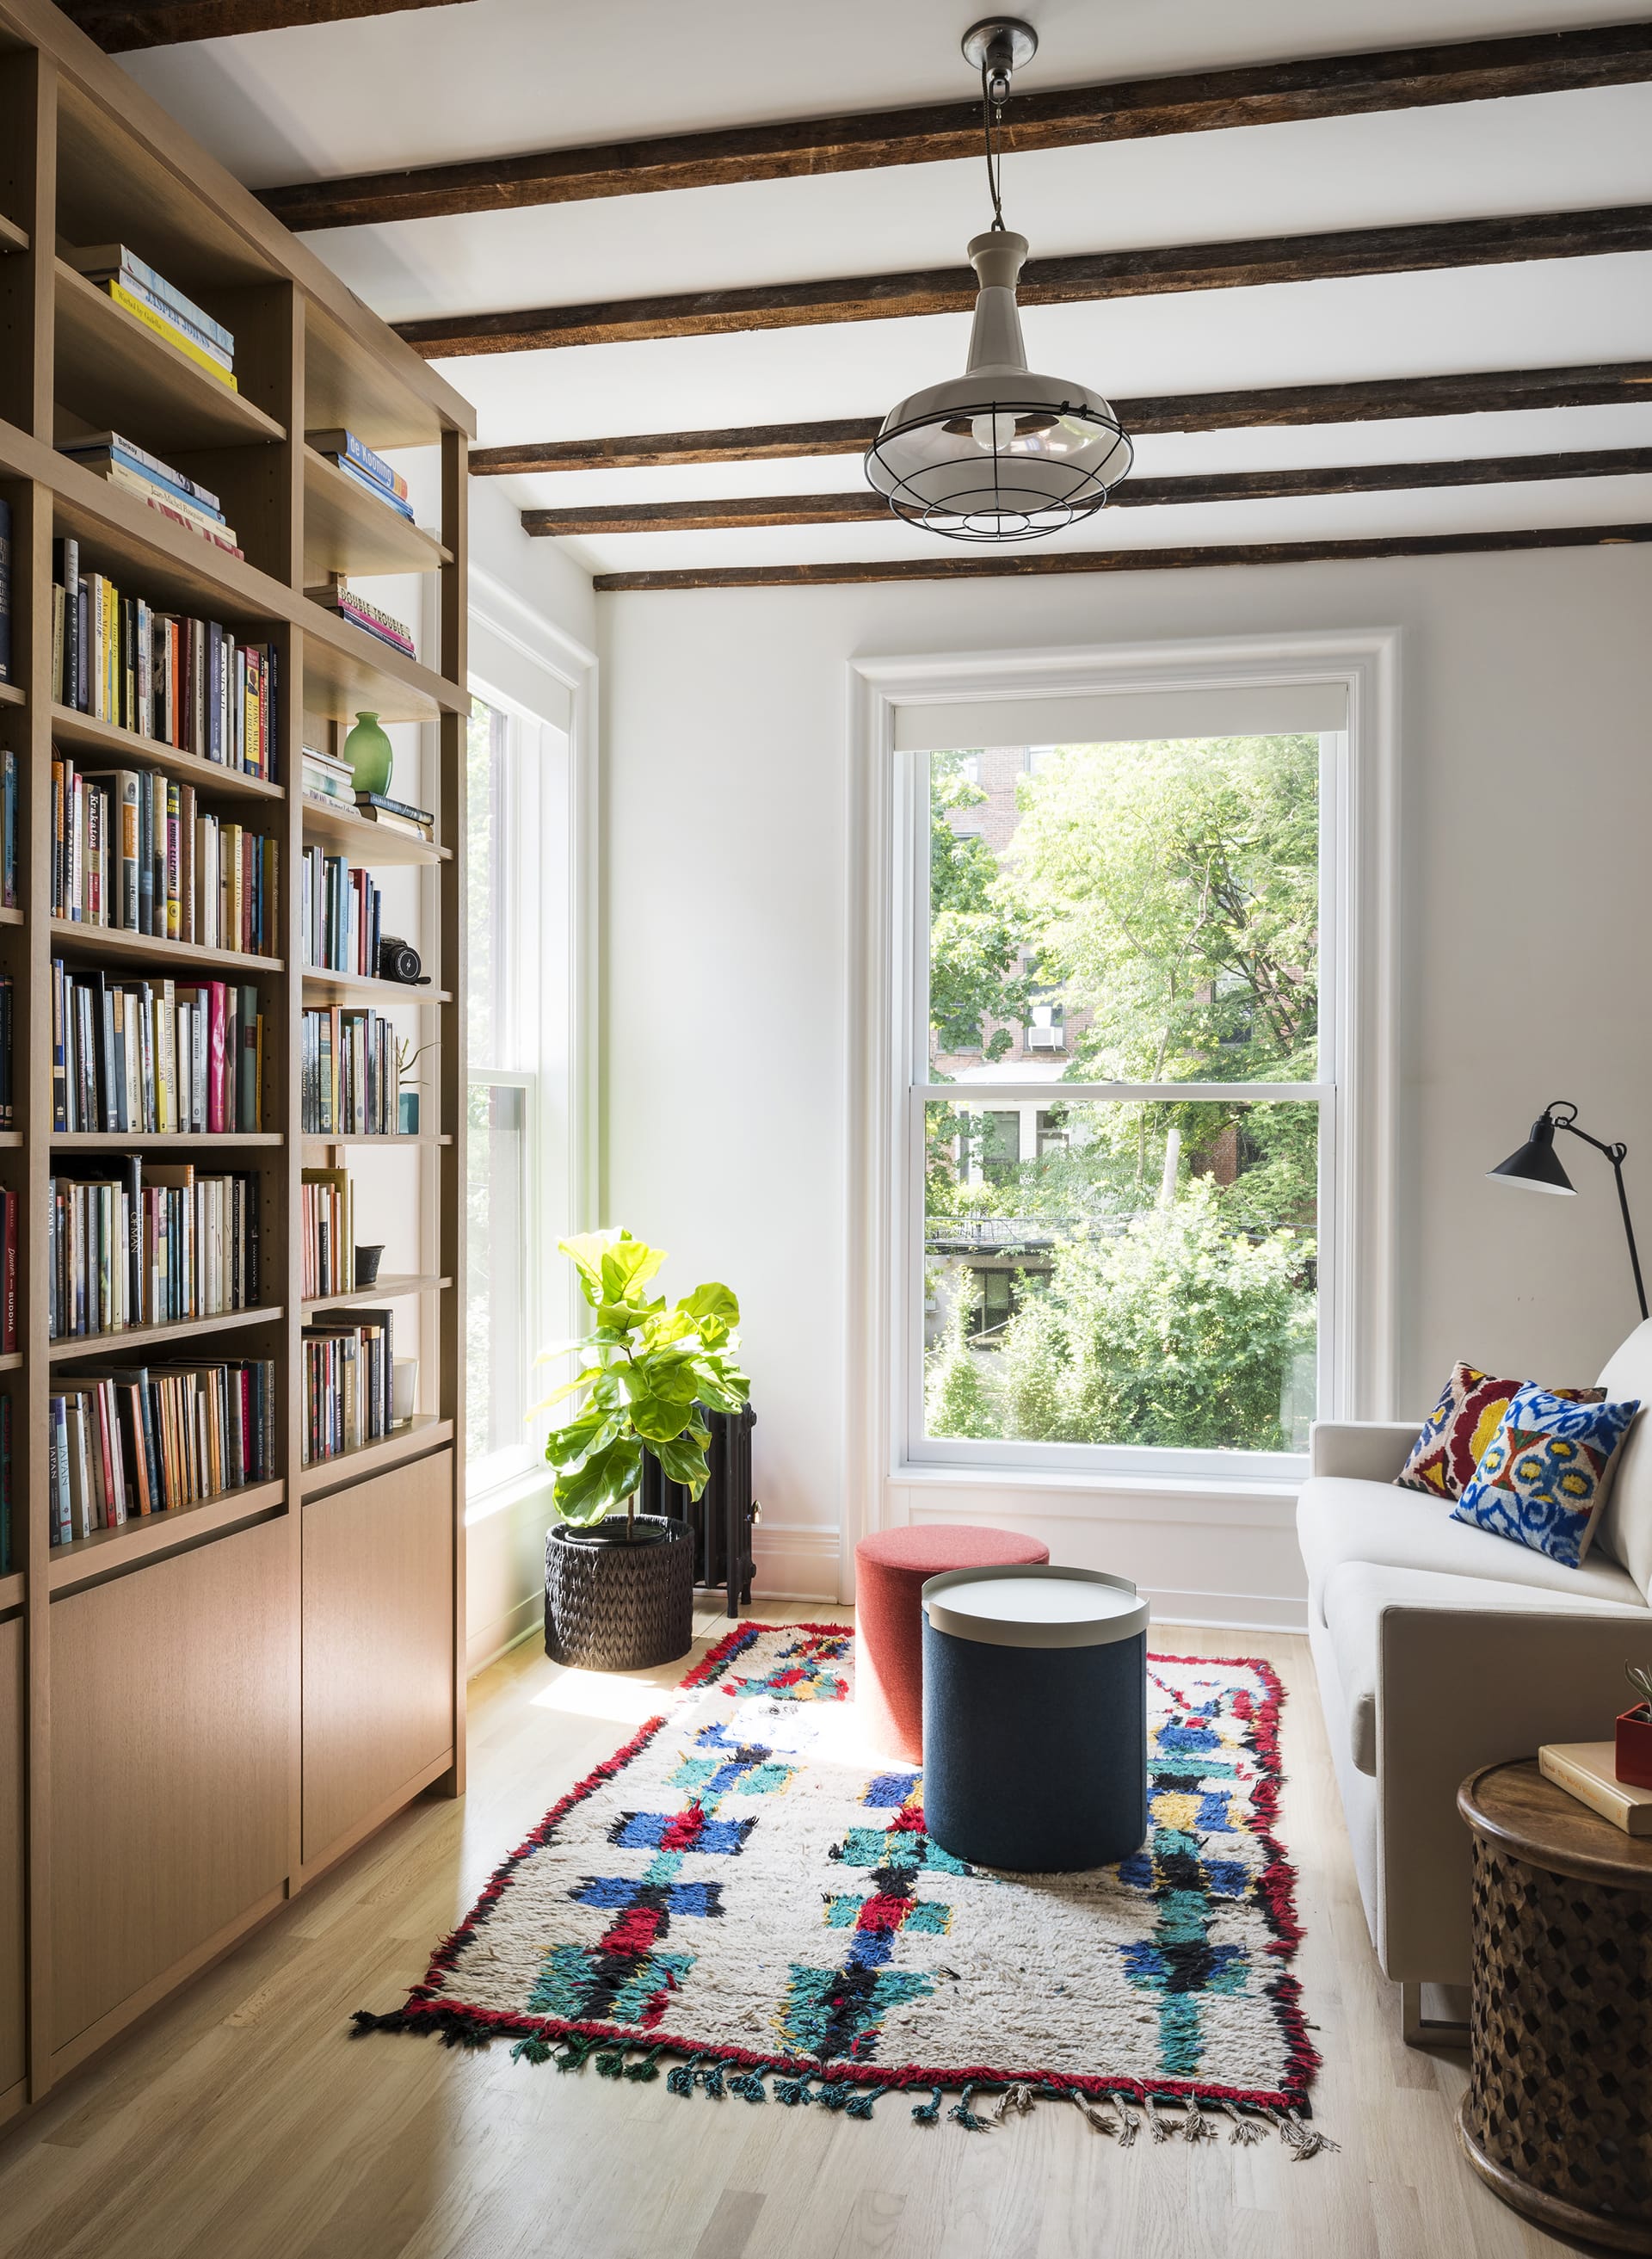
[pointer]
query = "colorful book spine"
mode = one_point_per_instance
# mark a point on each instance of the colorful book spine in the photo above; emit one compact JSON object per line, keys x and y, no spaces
{"x":338,"y":441}
{"x":202,"y":355}
{"x":354,"y":470}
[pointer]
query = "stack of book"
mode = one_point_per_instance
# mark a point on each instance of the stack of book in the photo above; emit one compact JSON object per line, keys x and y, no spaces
{"x":339,"y":916}
{"x":160,"y":305}
{"x":347,"y":605}
{"x":395,"y":816}
{"x":347,"y":1368}
{"x":132,"y":1440}
{"x":184,"y":682}
{"x":131,"y":851}
{"x":152,"y":1058}
{"x":326,"y":778}
{"x":349,"y":1079}
{"x":327,"y":1234}
{"x":141,"y":1244}
{"x":124,"y":464}
{"x":356,"y":460}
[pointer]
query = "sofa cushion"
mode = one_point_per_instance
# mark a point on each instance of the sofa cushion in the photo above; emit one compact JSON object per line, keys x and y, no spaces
{"x":1461,"y":1425}
{"x":1544,"y":1475}
{"x":1339,"y":1520}
{"x":1624,"y":1530}
{"x":1355,"y":1597}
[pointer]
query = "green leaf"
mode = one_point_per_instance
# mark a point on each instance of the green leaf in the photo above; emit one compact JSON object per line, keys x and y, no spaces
{"x":626,"y":1265}
{"x":683,"y":1460}
{"x":713,"y":1300}
{"x":607,"y":1479}
{"x":579,"y":1380}
{"x":593,"y":1431}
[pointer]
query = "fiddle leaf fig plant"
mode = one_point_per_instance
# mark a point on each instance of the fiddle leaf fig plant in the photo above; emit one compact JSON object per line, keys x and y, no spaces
{"x":1640,"y":1679}
{"x":653,"y":1370}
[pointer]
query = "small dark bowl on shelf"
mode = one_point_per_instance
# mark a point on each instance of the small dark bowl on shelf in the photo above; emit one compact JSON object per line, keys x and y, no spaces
{"x":368,"y":1262}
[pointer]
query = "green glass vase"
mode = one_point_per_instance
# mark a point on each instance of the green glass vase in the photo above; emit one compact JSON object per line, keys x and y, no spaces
{"x":369,"y":753}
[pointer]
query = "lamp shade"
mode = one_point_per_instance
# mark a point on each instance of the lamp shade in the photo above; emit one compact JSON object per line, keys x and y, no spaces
{"x":1536,"y":1165}
{"x":997,"y":454}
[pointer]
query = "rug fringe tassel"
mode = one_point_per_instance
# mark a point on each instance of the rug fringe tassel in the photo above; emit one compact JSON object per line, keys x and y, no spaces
{"x":1112,"y":2122}
{"x":928,"y":2113}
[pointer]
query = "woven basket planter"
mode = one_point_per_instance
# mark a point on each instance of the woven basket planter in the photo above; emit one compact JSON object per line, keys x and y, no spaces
{"x":615,"y":1606}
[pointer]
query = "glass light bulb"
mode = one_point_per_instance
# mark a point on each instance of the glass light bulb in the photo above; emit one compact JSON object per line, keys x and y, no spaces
{"x":992,"y":433}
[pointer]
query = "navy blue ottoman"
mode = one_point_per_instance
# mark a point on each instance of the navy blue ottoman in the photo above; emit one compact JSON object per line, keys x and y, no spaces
{"x":1034,"y":1717}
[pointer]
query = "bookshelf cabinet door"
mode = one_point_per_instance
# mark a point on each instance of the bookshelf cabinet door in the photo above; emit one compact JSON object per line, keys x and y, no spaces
{"x":378,"y":1646}
{"x":11,"y":1840}
{"x":172,"y":1696}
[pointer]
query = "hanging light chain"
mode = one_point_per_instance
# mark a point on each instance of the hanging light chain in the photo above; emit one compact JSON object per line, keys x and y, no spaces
{"x":995,"y":85}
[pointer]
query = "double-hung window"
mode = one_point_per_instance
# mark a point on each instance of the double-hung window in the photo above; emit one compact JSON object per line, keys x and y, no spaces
{"x":1122,"y":1139}
{"x":515,"y":763}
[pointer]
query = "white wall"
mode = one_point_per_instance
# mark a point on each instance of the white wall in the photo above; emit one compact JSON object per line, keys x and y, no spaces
{"x":1526,"y":815}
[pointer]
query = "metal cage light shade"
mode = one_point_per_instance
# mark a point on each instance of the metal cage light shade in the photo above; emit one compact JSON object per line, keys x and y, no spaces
{"x":998,"y":454}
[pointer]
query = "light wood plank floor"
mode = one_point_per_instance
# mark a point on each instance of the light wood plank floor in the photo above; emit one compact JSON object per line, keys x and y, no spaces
{"x":239,"y":2122}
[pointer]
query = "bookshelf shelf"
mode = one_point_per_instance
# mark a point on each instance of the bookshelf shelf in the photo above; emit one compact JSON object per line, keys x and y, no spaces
{"x":92,"y":160}
{"x":316,"y":1145}
{"x":76,"y":940}
{"x":335,"y":827}
{"x":340,"y":988}
{"x":83,"y":735}
{"x":345,"y":530}
{"x":85,"y":1559}
{"x":114,"y":373}
{"x":162,"y":1140}
{"x":104,"y":1346}
{"x":388,"y":1287}
{"x":424,"y":1432}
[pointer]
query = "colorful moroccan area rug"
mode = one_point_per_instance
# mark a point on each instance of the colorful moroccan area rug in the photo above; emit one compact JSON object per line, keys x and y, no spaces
{"x":744,"y":1898}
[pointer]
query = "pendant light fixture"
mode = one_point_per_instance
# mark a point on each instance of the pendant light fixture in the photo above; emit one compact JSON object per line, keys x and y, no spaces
{"x":998,"y":454}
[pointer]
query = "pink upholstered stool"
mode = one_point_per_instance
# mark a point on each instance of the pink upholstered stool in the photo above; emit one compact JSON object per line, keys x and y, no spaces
{"x":891,"y":1570}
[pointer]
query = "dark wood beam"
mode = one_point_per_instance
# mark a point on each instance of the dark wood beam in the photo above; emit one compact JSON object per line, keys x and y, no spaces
{"x":1155,"y":272}
{"x":1376,"y":401}
{"x":1258,"y":94}
{"x":1029,"y":564}
{"x":119,"y":25}
{"x":720,"y":515}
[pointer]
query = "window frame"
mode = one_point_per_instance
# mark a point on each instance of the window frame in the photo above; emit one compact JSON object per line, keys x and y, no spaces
{"x":889,"y":981}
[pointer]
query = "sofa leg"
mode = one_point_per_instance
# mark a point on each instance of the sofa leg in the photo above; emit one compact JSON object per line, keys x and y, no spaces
{"x":1434,"y":2016}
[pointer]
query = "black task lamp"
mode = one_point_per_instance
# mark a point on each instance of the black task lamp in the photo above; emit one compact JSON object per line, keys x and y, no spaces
{"x":1537,"y":1166}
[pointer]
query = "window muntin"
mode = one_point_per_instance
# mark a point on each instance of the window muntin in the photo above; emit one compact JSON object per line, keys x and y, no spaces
{"x":1152,"y":1236}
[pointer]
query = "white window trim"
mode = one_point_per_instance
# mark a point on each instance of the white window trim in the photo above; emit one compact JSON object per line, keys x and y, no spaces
{"x":566,"y":663}
{"x":1361,"y":829}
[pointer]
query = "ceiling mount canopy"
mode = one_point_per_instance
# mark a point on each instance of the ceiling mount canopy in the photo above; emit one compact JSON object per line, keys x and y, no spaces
{"x":998,"y":454}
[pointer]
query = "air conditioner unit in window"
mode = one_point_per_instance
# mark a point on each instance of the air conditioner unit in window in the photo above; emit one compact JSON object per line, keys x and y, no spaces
{"x":1046,"y":1038}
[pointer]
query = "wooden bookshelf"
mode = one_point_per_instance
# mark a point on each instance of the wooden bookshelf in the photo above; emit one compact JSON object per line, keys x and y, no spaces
{"x":198,"y":1615}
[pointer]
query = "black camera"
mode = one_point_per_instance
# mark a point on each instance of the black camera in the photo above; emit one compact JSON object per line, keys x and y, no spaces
{"x":399,"y":960}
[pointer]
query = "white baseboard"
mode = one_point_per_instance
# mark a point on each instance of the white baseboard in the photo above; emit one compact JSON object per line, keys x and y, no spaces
{"x":797,"y":1561}
{"x":1226,"y":1611}
{"x":490,"y":1641}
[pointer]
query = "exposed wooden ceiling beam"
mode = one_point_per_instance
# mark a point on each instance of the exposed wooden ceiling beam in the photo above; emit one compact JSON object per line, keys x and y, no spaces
{"x":1382,"y":399}
{"x":1157,"y":271}
{"x":722,"y":514}
{"x":1259,"y":94}
{"x":119,"y":25}
{"x":1025,"y":565}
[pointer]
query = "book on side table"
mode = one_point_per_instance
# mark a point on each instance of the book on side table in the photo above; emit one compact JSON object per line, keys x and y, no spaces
{"x":1587,"y":1769}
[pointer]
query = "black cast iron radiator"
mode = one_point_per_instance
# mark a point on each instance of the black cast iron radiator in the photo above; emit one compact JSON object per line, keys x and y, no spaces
{"x":721,"y":1517}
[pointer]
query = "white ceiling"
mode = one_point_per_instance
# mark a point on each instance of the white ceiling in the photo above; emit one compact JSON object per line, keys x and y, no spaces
{"x":498,"y":76}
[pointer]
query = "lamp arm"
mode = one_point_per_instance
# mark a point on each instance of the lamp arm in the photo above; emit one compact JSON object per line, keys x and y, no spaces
{"x":1616,"y":1153}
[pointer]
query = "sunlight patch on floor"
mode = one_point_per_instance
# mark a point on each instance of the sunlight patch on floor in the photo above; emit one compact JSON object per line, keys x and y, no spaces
{"x":604,"y":1695}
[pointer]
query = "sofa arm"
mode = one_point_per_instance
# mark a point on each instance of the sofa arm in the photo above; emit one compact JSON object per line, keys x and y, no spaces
{"x":1464,"y":1685}
{"x":1366,"y":1450}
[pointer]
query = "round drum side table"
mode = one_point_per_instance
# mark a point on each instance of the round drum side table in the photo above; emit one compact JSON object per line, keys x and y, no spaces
{"x":1558,"y":2119}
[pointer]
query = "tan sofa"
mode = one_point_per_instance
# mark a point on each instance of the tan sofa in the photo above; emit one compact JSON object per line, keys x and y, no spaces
{"x":1439,"y":1647}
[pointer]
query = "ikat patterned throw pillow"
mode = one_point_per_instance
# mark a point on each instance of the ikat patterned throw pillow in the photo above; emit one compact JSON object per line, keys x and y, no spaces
{"x":1462,"y":1424}
{"x":1542,"y":1478}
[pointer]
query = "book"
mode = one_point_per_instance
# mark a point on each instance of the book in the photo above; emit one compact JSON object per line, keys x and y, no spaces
{"x":348,"y":606}
{"x":209,"y":523}
{"x":370,"y":485}
{"x":202,"y":355}
{"x":339,"y":442}
{"x":116,"y":446}
{"x":99,"y":262}
{"x":1587,"y":1769}
{"x":370,"y":803}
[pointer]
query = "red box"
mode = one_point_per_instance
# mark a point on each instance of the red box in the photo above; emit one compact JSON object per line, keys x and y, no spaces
{"x":1633,"y":1762}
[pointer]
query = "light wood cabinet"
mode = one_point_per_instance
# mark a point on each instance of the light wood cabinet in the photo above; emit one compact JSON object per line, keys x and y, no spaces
{"x":377,"y":1614}
{"x":12,"y":2058}
{"x":172,"y":1716}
